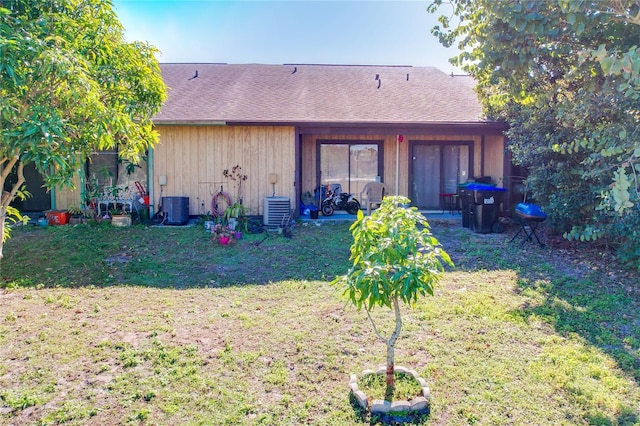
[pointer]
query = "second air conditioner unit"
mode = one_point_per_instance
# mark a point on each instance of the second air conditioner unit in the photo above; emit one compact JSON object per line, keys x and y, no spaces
{"x":276,"y":211}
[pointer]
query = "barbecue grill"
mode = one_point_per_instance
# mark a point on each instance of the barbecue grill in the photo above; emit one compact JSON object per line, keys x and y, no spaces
{"x":529,"y":216}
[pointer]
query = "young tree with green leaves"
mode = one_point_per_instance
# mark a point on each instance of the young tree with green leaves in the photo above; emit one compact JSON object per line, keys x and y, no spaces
{"x":564,"y":75}
{"x":70,"y":85}
{"x":395,"y":259}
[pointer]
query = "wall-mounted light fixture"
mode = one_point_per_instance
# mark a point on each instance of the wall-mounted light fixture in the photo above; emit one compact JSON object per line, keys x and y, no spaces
{"x":273,"y":179}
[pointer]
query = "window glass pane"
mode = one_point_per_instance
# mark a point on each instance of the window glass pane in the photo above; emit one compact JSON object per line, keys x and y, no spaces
{"x":351,"y":165}
{"x":334,"y":165}
{"x":455,"y":167}
{"x":364,"y":166}
{"x":102,"y":168}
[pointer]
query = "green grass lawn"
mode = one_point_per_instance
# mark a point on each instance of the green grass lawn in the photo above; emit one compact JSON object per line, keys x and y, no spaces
{"x":105,"y":326}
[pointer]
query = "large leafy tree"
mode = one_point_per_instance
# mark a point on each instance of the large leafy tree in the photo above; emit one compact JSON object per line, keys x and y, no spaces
{"x":70,"y":85}
{"x":564,"y":74}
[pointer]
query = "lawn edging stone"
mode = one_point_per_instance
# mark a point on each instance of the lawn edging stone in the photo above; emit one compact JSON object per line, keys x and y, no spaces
{"x":416,"y":405}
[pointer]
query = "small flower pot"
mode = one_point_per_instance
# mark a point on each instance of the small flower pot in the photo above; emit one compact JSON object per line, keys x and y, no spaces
{"x":224,"y":240}
{"x":237,"y":235}
{"x":121,"y":220}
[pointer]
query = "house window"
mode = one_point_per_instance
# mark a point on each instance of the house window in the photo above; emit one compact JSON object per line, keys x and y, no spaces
{"x":437,"y":168}
{"x":102,"y":167}
{"x":349,"y":163}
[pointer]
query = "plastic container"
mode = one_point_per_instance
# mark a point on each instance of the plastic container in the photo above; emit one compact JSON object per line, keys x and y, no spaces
{"x":486,"y":194}
{"x":57,"y":217}
{"x":485,"y":203}
{"x":530,"y":211}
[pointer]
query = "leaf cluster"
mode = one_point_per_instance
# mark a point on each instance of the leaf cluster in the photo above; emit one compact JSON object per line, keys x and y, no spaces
{"x":565,"y":76}
{"x":71,"y":85}
{"x":394,"y":255}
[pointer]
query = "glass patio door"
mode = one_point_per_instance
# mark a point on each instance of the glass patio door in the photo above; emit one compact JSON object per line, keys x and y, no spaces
{"x":351,"y":164}
{"x":437,"y":168}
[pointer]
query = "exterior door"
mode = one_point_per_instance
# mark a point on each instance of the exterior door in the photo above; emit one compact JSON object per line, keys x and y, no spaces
{"x":437,"y":168}
{"x":40,"y":198}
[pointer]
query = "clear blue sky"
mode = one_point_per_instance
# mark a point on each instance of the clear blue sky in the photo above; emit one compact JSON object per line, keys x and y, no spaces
{"x":279,"y":32}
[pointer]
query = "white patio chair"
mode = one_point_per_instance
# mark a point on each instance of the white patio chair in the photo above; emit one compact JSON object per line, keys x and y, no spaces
{"x":372,"y":195}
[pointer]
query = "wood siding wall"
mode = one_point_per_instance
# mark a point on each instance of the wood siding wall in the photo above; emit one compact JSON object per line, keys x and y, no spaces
{"x":66,"y":197}
{"x":193,"y":159}
{"x":494,"y":152}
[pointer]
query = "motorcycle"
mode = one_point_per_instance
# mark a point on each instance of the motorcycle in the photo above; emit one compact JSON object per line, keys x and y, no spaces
{"x":336,"y":200}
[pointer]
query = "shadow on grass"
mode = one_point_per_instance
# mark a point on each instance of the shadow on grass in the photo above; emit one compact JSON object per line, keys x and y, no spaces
{"x":604,"y":315}
{"x":598,"y":303}
{"x":170,"y":257}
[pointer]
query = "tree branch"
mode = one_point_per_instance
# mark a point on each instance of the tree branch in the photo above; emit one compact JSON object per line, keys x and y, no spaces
{"x":8,"y":167}
{"x":7,"y":197}
{"x":375,"y":329}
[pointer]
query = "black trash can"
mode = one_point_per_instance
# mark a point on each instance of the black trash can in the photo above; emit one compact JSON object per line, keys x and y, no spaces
{"x":466,"y":204}
{"x":485,"y":207}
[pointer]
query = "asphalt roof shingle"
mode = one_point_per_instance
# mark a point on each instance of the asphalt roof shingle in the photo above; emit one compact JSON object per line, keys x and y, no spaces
{"x":316,"y":93}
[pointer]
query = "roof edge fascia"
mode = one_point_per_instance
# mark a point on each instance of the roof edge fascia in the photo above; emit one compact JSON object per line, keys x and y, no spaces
{"x":335,"y":124}
{"x":332,"y":127}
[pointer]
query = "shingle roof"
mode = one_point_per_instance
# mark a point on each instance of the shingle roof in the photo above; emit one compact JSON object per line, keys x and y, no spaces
{"x":316,"y":93}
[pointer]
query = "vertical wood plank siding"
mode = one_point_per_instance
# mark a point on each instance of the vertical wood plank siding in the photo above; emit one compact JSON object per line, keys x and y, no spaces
{"x":67,"y":197}
{"x":194,"y":157}
{"x":494,"y":153}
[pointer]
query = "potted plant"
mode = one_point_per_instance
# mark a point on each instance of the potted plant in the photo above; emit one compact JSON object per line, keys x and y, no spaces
{"x":76,"y":214}
{"x":233,"y":213}
{"x":120,"y":217}
{"x":222,"y":233}
{"x":236,"y":175}
{"x":395,"y":259}
{"x":208,"y":221}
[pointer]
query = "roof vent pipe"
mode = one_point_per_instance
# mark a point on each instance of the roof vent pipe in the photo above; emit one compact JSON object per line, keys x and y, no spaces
{"x":295,"y":69}
{"x":379,"y":82}
{"x":377,"y":76}
{"x":407,"y":76}
{"x":195,"y":75}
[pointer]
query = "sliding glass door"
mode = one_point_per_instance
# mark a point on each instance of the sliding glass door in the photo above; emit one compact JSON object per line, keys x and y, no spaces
{"x":437,"y":168}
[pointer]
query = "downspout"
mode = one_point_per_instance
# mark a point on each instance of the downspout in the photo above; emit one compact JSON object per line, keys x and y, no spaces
{"x":399,"y":140}
{"x":53,"y":197}
{"x":297,"y":174}
{"x":83,"y":187}
{"x":482,"y":155}
{"x":150,"y":180}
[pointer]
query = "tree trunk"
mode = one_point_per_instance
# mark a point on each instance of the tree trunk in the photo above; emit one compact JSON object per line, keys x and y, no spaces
{"x":3,"y":213}
{"x":391,"y":347}
{"x":5,"y":196}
